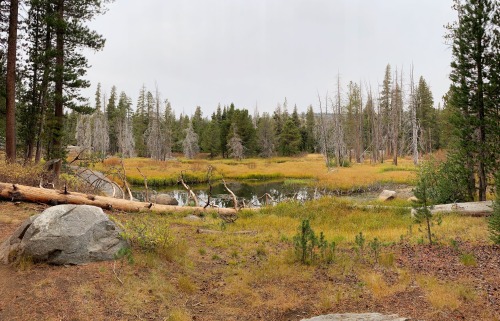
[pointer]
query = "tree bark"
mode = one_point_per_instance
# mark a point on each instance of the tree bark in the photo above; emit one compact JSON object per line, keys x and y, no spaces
{"x":10,"y":123}
{"x":58,"y":92}
{"x":14,"y":192}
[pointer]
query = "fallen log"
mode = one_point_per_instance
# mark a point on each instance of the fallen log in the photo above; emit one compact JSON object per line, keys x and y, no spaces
{"x":476,"y":209}
{"x":15,"y":192}
{"x":206,"y":231}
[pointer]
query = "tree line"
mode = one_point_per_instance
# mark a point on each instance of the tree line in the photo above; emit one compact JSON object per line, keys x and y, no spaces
{"x":353,"y":125}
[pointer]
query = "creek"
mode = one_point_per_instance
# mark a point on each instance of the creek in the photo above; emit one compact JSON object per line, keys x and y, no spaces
{"x":251,"y":193}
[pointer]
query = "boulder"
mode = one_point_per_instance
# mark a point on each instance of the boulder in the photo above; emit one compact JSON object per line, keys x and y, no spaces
{"x":412,"y":199}
{"x":65,"y":234}
{"x":165,"y":199}
{"x":357,"y":317}
{"x":387,"y":195}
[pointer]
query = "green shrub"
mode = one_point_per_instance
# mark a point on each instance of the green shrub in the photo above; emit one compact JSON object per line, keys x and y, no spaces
{"x":308,"y":245}
{"x":148,"y":235}
{"x":494,"y":220}
{"x":468,"y":259}
{"x":359,"y":240}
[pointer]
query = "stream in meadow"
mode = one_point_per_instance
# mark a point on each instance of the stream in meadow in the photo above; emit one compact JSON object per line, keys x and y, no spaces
{"x":251,"y":193}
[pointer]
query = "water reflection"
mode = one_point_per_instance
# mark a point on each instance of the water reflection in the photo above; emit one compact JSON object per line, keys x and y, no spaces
{"x":250,"y":194}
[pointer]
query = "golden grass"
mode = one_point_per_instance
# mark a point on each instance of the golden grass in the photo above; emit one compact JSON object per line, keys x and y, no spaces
{"x":446,"y":295}
{"x":378,"y":287}
{"x":310,"y":167}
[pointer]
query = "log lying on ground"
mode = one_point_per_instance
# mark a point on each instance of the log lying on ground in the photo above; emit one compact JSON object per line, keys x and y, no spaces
{"x":470,"y":208}
{"x":14,"y":192}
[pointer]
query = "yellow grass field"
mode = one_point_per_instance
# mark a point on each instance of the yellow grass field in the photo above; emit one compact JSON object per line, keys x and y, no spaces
{"x":310,"y":167}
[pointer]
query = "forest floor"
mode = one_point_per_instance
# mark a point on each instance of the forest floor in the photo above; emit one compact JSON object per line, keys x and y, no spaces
{"x":227,"y":276}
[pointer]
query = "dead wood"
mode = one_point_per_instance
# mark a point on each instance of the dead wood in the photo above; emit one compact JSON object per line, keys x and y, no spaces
{"x":14,"y":192}
{"x":207,"y":231}
{"x":189,"y":190}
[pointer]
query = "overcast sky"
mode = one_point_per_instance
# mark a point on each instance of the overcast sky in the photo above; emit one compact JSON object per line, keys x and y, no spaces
{"x":257,"y":52}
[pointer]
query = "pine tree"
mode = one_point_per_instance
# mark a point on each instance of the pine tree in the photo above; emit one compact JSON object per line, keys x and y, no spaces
{"x":385,"y":111}
{"x":290,"y":139}
{"x":309,"y":139}
{"x":10,"y":127}
{"x":210,"y":139}
{"x":111,"y":113}
{"x":140,"y":123}
{"x":426,"y":117}
{"x":476,"y":112}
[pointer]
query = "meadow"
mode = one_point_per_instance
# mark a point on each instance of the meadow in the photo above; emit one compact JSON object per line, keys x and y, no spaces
{"x":374,"y":259}
{"x":310,"y":167}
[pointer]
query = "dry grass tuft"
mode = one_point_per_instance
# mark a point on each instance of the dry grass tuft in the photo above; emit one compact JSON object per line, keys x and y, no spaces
{"x":446,"y":295}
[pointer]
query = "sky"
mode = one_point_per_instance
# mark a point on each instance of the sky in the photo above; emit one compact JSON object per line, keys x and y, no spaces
{"x":259,"y":52}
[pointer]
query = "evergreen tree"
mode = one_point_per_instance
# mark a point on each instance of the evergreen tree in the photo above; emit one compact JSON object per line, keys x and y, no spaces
{"x":309,"y":138}
{"x":475,"y":110}
{"x":385,"y":110}
{"x":140,"y":123}
{"x":113,"y":121}
{"x":10,"y":115}
{"x":210,"y":139}
{"x":426,"y":117}
{"x":290,"y":139}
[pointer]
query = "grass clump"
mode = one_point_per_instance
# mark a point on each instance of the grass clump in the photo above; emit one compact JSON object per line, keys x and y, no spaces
{"x":186,"y":285}
{"x":468,"y":259}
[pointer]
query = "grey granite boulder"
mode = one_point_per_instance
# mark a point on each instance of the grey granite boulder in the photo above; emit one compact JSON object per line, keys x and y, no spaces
{"x":165,"y":199}
{"x":387,"y":195}
{"x":65,"y":234}
{"x":357,"y":317}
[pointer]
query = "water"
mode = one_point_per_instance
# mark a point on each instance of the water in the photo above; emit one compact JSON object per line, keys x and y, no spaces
{"x":252,"y":194}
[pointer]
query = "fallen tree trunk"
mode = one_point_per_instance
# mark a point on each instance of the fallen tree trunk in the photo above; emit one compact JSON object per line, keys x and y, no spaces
{"x":478,"y":209}
{"x":14,"y":192}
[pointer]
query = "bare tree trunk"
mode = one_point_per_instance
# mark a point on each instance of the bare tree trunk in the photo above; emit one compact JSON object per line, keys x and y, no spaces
{"x":323,"y":133}
{"x":414,"y":127}
{"x":42,"y":96}
{"x":58,"y":92}
{"x":10,"y":123}
{"x":395,"y":122}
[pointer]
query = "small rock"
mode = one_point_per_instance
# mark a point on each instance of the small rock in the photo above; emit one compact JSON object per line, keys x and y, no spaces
{"x":357,"y":317}
{"x":387,"y":195}
{"x":412,"y":199}
{"x":192,"y":218}
{"x":165,"y":199}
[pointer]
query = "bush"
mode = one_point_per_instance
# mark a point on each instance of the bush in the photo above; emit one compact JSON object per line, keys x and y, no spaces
{"x":308,"y":245}
{"x":446,"y":182}
{"x":148,"y":236}
{"x":494,"y":220}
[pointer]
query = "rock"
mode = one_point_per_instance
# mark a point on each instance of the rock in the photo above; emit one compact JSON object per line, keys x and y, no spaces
{"x":65,"y":234}
{"x":412,"y":199}
{"x":165,"y":199}
{"x":192,"y":218}
{"x":357,"y":317}
{"x":387,"y":195}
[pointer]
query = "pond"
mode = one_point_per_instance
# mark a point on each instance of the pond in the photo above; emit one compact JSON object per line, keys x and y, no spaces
{"x":252,"y":194}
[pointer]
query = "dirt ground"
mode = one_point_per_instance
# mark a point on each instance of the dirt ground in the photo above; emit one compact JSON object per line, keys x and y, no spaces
{"x":92,"y":292}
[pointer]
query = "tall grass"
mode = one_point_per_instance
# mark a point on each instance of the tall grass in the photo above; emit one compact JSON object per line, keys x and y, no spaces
{"x":309,"y":167}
